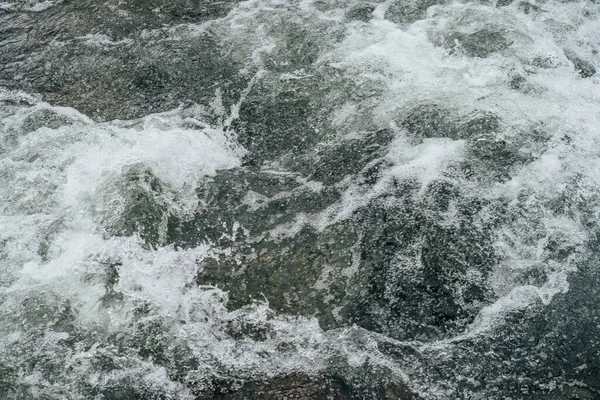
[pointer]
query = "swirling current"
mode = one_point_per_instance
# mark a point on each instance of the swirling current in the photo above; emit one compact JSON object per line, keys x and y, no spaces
{"x":299,"y":199}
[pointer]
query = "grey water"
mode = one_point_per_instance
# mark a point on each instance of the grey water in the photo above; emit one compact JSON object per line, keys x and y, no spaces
{"x":310,"y":199}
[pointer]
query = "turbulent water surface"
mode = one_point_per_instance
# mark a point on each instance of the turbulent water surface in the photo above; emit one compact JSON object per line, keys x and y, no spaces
{"x":315,"y":199}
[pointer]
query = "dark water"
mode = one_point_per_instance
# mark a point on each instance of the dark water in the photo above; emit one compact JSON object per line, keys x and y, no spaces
{"x":299,"y":199}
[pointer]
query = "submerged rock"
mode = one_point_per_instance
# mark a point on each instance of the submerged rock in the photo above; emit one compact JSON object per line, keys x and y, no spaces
{"x":243,"y":202}
{"x":540,"y":335}
{"x":585,"y":68}
{"x":402,"y":267}
{"x":106,"y":68}
{"x":491,"y":153}
{"x":296,"y":386}
{"x":427,"y":274}
{"x":347,"y":158}
{"x":289,"y":117}
{"x":309,"y":274}
{"x":479,"y":123}
{"x":528,"y":7}
{"x":430,"y":120}
{"x":323,"y":386}
{"x":77,"y":19}
{"x":137,"y":203}
{"x":273,"y":125}
{"x":504,"y":3}
{"x":44,"y":118}
{"x":488,"y":147}
{"x":435,"y":121}
{"x":408,"y":265}
{"x":361,"y":13}
{"x":517,"y":82}
{"x":483,"y":43}
{"x":297,"y":47}
{"x":406,"y":11}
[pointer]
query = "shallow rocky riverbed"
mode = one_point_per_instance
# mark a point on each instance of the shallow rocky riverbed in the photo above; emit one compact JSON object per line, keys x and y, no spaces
{"x":306,"y":199}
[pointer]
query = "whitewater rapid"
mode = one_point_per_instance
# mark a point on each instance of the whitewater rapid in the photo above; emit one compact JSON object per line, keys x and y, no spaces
{"x":401,"y":195}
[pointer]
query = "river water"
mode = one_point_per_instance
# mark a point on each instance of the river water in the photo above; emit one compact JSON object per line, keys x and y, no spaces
{"x":324,"y":199}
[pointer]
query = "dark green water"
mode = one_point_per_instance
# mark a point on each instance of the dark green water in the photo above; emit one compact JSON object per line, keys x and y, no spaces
{"x":299,"y":199}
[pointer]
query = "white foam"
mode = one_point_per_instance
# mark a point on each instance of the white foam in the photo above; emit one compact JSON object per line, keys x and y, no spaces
{"x":100,"y":40}
{"x":51,"y":176}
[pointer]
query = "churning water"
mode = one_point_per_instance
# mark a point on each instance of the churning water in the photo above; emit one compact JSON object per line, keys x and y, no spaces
{"x":315,"y":199}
